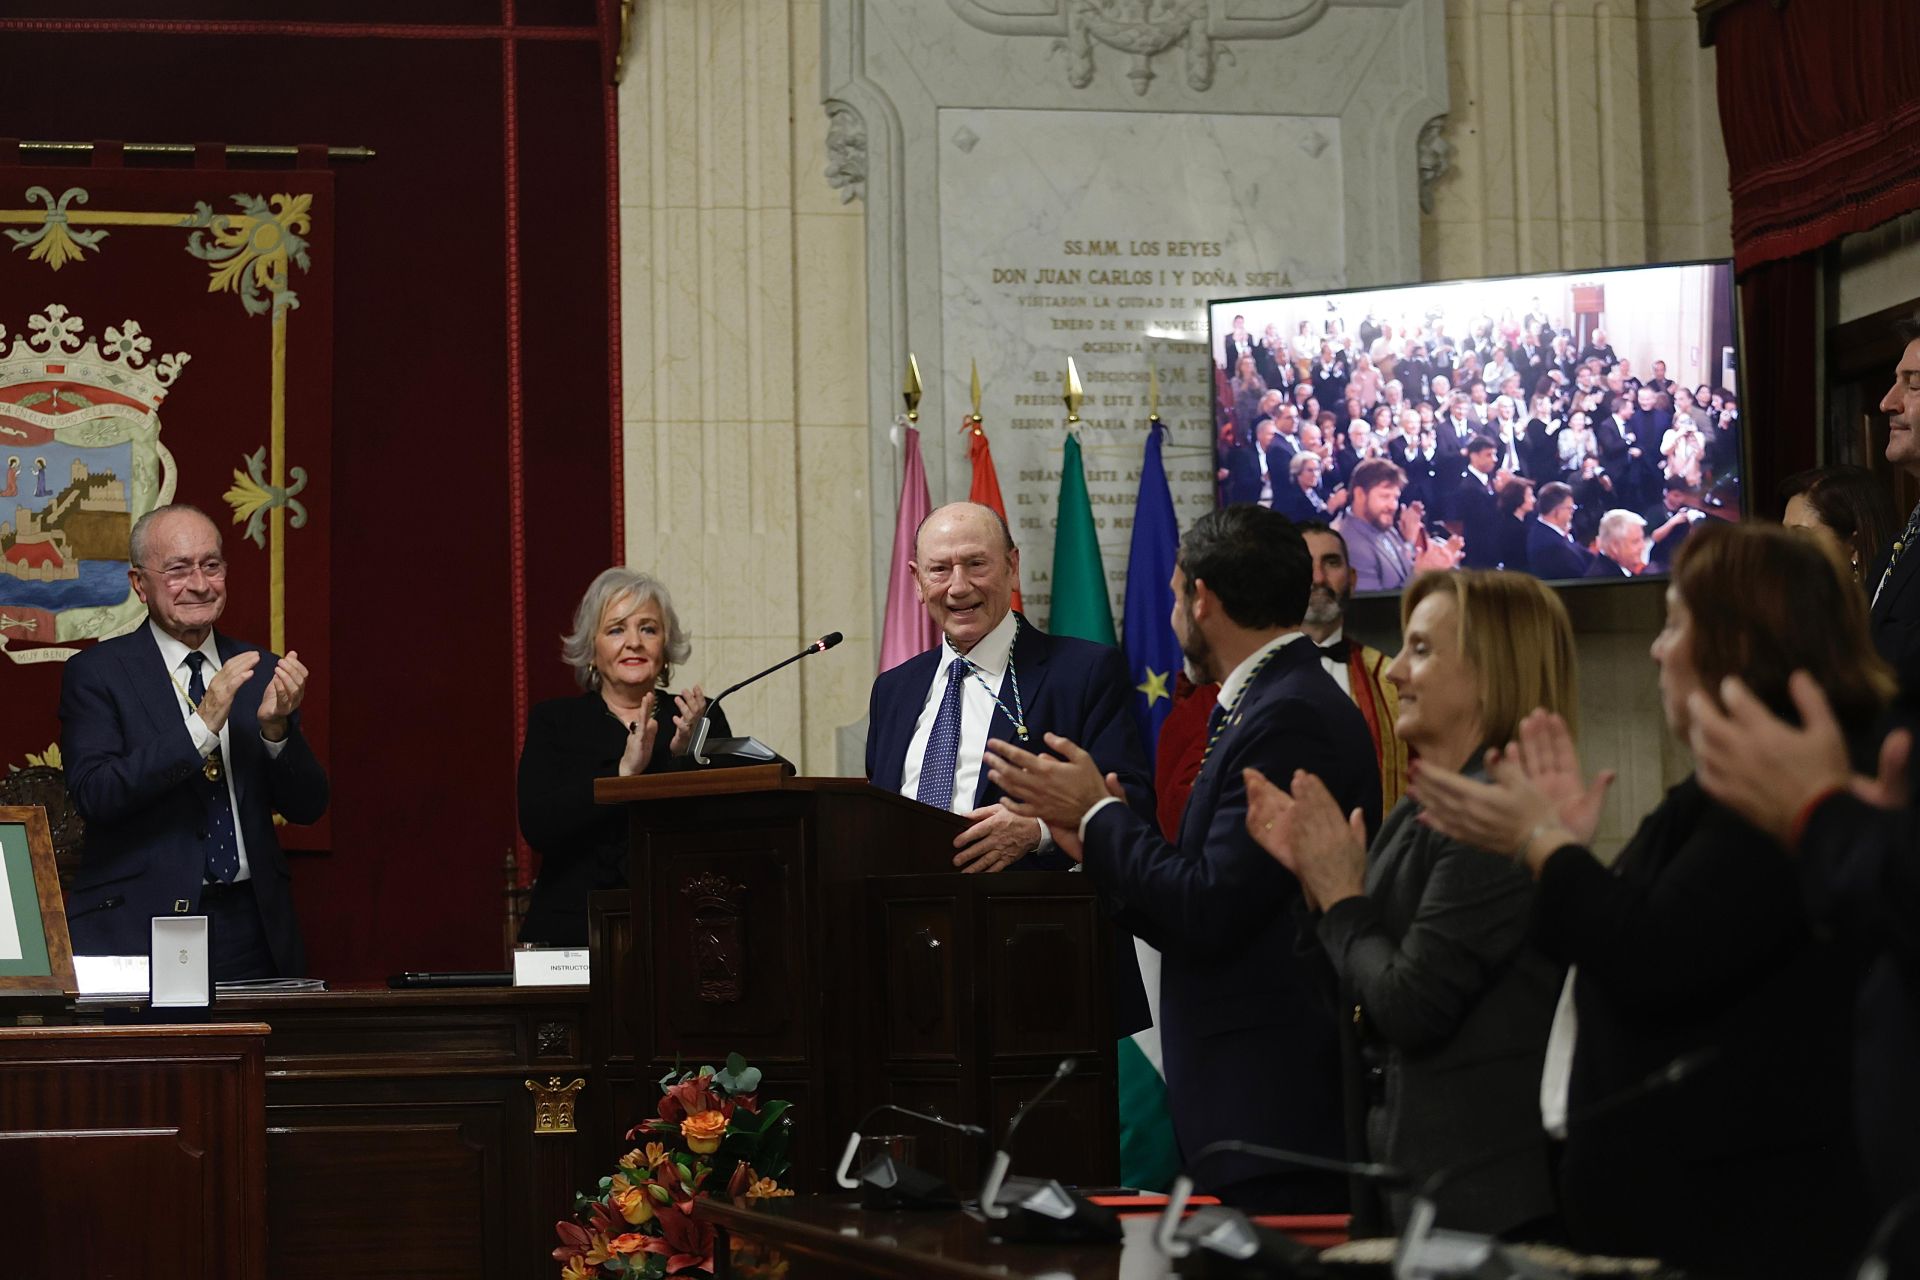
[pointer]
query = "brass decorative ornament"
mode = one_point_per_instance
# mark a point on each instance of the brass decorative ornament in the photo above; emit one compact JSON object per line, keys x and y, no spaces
{"x":553,"y":1104}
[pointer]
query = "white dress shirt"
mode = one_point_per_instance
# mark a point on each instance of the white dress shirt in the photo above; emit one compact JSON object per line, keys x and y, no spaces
{"x":174,"y":654}
{"x":990,"y":657}
{"x":1338,"y":670}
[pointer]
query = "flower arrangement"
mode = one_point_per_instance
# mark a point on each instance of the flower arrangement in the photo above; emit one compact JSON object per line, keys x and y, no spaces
{"x":640,"y":1224}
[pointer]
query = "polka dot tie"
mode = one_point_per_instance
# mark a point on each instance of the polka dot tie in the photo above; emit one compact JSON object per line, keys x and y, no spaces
{"x":942,"y":759}
{"x":223,"y":846}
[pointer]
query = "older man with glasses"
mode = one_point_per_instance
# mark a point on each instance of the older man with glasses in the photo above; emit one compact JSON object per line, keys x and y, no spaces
{"x":181,"y":745}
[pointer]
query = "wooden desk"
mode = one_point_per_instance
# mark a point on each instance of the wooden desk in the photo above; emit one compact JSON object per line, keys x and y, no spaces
{"x":832,"y":1236}
{"x":401,"y":1133}
{"x":133,"y":1152}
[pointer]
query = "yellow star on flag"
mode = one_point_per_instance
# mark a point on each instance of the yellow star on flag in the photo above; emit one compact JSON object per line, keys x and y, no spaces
{"x":1155,"y":687}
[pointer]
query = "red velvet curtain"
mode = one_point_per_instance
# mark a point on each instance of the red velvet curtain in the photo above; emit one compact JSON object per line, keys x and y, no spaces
{"x":1820,"y":106}
{"x":1820,"y":109}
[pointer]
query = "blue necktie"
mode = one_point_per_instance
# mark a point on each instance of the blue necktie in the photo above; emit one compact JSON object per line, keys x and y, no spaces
{"x":223,"y":846}
{"x":943,"y":745}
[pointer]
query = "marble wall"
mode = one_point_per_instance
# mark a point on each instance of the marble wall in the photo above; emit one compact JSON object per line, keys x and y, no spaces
{"x":1584,"y":133}
{"x":744,"y":360}
{"x":751,"y":316}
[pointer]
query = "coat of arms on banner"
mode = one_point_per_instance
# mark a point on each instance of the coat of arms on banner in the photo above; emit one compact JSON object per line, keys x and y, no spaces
{"x":80,"y":460}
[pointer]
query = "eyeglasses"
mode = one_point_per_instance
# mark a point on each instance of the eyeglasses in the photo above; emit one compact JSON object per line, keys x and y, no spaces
{"x":213,"y":569}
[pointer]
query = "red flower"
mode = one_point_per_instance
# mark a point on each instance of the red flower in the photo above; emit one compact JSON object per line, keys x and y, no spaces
{"x":689,"y":1098}
{"x":743,"y":1176}
{"x":685,"y":1241}
{"x":574,"y":1240}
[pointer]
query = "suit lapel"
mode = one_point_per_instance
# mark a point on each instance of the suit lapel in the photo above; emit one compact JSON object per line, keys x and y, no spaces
{"x":1027,"y":663}
{"x":151,"y":681}
{"x":1903,"y":573}
{"x":243,"y":723}
{"x":896,"y":735}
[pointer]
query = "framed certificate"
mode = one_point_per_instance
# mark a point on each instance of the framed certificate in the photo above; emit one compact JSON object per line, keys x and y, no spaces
{"x":36,"y":959}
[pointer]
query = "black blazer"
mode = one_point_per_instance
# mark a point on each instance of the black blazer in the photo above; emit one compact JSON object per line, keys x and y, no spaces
{"x":582,"y":845}
{"x":1450,"y":997}
{"x":1293,"y":503}
{"x":131,"y":768}
{"x":1699,"y":939}
{"x":1236,"y":984}
{"x":1474,"y":506}
{"x":1553,"y":557}
{"x":1862,"y":883}
{"x":1896,"y":620}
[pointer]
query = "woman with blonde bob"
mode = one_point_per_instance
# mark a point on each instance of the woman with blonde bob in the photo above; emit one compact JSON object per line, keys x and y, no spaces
{"x":1695,"y":960}
{"x":1428,"y":934}
{"x":625,"y":641}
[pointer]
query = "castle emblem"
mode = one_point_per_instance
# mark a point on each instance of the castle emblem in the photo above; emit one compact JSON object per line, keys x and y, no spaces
{"x":80,"y":460}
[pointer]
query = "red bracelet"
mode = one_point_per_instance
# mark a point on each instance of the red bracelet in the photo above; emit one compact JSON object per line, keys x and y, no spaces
{"x":1798,"y":830}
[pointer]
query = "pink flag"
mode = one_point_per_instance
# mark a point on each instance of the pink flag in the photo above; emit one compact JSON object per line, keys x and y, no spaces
{"x":908,"y":629}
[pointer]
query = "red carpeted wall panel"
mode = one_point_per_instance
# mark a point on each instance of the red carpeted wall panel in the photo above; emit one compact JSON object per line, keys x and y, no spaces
{"x":429,"y":502}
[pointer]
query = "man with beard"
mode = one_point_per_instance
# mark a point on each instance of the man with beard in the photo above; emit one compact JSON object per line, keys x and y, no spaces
{"x":1357,"y":668}
{"x":1239,"y":990}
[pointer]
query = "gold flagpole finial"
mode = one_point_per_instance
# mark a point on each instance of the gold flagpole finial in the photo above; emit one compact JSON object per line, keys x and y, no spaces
{"x":1153,"y":392}
{"x":1074,"y":396}
{"x":974,"y":421}
{"x":911,"y":392}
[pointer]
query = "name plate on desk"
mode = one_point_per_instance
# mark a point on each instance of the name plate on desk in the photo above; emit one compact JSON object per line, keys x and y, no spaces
{"x":551,"y":967}
{"x":180,"y":963}
{"x":110,"y":975}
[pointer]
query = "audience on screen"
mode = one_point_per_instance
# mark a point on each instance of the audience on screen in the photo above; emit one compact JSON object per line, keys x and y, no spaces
{"x":1558,"y":407}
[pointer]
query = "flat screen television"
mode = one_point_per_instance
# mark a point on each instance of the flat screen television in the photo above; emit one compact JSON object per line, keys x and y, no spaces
{"x":1575,"y":426}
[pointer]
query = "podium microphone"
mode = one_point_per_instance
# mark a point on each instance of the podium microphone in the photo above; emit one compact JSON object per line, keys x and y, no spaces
{"x":748,"y":749}
{"x":885,"y":1183}
{"x":1425,"y":1253}
{"x":1227,"y":1236}
{"x":1026,"y":1209}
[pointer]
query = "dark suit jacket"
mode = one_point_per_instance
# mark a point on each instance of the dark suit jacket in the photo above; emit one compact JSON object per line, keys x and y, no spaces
{"x":1293,"y":503}
{"x":1604,"y":567}
{"x":1699,"y":939}
{"x":1236,"y":985}
{"x":1454,"y":1002}
{"x":1896,"y":620}
{"x":1553,"y":557}
{"x":1474,"y":507}
{"x":1071,"y":687}
{"x":131,"y":768}
{"x":582,"y":844}
{"x":1243,"y":472}
{"x":1539,"y":453}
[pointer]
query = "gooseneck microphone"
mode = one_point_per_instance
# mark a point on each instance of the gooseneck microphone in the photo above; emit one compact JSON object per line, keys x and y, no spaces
{"x":1228,"y":1231}
{"x":886,"y":1183}
{"x":1027,"y":1209}
{"x":740,"y":746}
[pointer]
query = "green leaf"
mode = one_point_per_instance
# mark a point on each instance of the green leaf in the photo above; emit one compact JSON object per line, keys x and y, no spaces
{"x":38,"y":397}
{"x":736,"y":1065}
{"x":748,"y":1080}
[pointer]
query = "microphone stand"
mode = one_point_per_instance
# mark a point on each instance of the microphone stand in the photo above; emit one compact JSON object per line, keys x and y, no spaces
{"x":749,"y":747}
{"x":1041,"y":1212}
{"x":1232,"y":1244}
{"x":887,"y":1184}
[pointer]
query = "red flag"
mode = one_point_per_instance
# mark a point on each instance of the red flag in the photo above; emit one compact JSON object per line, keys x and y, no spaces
{"x":986,"y":481}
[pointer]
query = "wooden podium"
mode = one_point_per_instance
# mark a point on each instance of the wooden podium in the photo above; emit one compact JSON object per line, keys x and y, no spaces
{"x":816,"y":925}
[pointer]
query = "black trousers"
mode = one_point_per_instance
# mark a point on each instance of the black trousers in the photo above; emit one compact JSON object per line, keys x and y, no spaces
{"x":237,"y":940}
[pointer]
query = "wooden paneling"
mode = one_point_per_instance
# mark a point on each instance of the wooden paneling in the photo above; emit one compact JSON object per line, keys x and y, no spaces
{"x":133,"y":1152}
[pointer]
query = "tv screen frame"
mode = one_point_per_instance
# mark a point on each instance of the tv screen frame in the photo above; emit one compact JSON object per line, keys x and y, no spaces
{"x":1629,"y":471}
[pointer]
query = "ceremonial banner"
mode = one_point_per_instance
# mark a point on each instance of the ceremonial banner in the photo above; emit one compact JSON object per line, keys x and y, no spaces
{"x":165,"y":336}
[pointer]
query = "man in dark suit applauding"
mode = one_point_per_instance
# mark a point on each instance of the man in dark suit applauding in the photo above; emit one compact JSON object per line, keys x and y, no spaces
{"x":180,"y":746}
{"x":1237,"y":986}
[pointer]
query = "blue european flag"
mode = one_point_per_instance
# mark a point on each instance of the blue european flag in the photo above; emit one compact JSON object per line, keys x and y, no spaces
{"x":1153,"y":655}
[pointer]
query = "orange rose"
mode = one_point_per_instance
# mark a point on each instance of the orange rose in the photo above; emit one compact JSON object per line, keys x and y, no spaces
{"x":634,"y":1205}
{"x":703,"y":1131}
{"x":629,"y":1243}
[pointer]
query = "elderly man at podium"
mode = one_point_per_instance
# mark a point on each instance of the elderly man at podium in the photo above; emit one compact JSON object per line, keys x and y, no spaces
{"x":993,"y":675}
